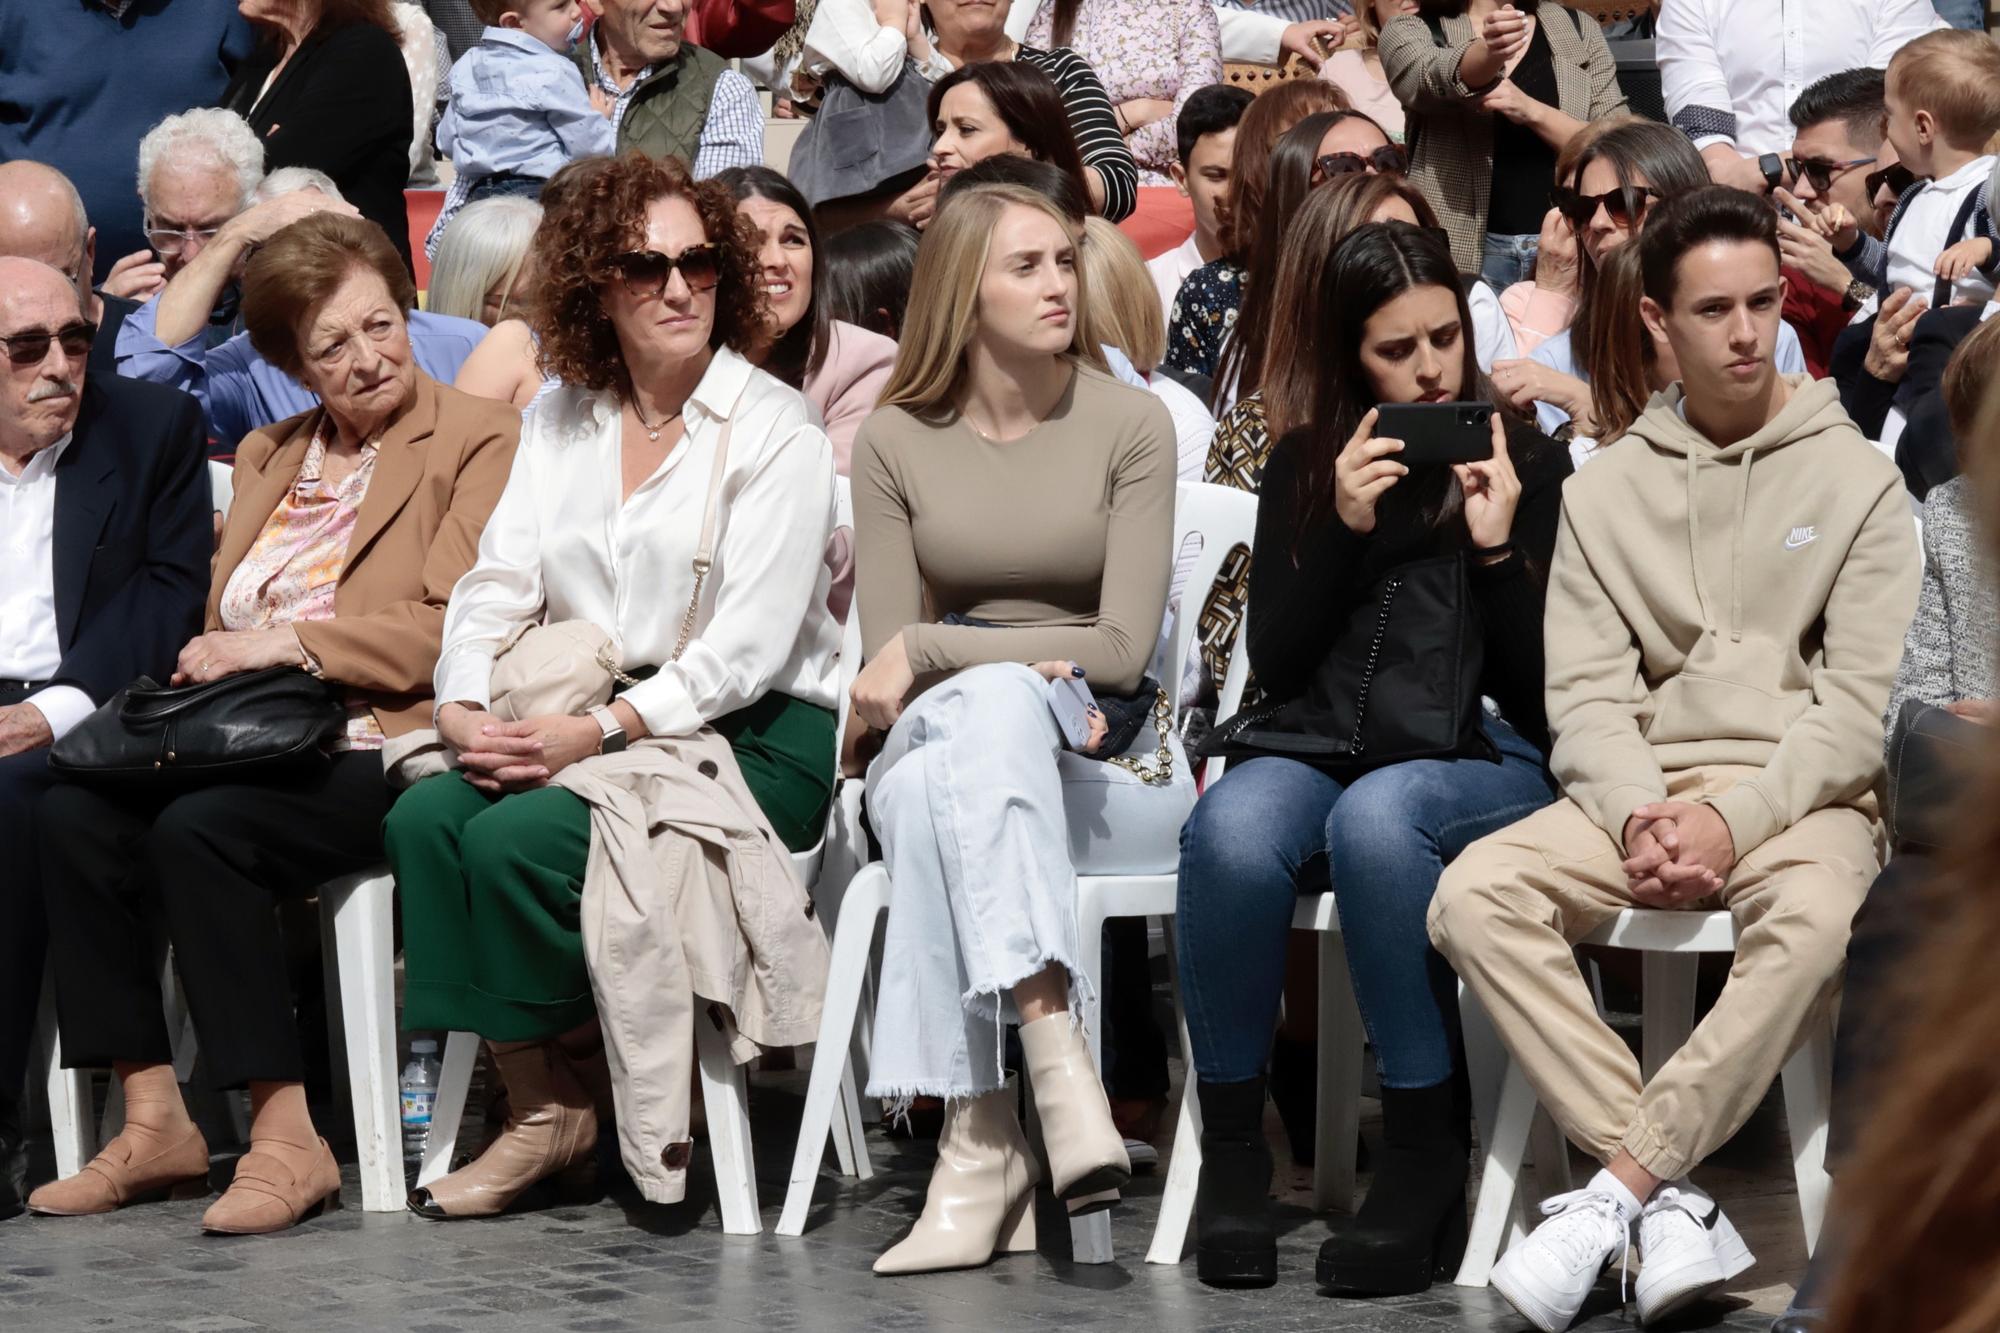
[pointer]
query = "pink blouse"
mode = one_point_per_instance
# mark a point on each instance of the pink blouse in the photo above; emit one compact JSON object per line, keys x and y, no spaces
{"x":1367,"y":90}
{"x":291,"y":571}
{"x":1144,"y":48}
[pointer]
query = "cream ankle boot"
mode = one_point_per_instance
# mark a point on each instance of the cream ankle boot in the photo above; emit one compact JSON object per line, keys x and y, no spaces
{"x":981,"y":1200}
{"x":551,"y":1131}
{"x":1086,"y":1152}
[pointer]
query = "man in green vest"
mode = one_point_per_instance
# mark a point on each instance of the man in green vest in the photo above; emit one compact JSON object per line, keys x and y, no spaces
{"x":665,"y":95}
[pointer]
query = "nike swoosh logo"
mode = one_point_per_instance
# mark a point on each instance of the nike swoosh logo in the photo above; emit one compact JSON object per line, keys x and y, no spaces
{"x":1794,"y":544}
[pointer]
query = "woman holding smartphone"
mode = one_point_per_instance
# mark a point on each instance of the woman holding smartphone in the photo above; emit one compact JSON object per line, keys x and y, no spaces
{"x":1011,"y":489}
{"x":1337,"y":511}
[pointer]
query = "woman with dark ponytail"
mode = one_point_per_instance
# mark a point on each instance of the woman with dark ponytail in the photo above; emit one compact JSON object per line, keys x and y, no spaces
{"x":1337,"y":513}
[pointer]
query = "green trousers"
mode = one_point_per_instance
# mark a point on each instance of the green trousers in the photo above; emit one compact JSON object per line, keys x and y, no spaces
{"x":492,"y":886}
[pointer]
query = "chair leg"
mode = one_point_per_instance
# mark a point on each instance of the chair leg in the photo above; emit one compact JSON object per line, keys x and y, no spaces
{"x":361,"y":914}
{"x":867,"y":897}
{"x":1090,"y":1234}
{"x":461,"y":1051}
{"x":1667,"y":1007}
{"x":1184,"y":1159}
{"x":1337,"y":1125}
{"x":725,"y":1090}
{"x":1503,"y":1106}
{"x":1808,"y":1081}
{"x":70,"y":1112}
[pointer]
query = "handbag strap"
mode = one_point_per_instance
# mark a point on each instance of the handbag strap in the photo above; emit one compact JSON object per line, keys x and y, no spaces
{"x":704,"y":555}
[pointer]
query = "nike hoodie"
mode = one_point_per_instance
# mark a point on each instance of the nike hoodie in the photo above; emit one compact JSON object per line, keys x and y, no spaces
{"x":1729,"y":605}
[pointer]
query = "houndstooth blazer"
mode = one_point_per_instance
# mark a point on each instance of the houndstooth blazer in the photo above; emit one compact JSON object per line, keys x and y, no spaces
{"x":1453,"y":164}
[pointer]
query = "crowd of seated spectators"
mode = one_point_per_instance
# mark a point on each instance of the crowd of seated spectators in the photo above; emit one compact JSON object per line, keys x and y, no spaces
{"x":564,"y":545}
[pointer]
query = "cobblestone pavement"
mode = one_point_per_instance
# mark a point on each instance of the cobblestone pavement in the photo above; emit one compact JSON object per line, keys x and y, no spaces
{"x":621,"y":1264}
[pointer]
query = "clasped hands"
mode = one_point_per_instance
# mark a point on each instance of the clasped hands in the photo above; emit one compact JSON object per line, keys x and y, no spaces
{"x":502,"y":757}
{"x":1676,"y":852}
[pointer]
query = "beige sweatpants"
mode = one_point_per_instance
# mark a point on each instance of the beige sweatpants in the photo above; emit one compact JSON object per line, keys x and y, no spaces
{"x":1508,"y":911}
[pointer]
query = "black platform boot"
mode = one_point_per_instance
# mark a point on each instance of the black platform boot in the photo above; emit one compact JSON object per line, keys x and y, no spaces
{"x":1236,"y":1237}
{"x":1411,"y":1229}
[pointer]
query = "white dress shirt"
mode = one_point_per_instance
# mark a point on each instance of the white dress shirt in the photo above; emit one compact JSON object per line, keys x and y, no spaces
{"x":561,"y":545}
{"x":1171,"y":269}
{"x":1921,"y":232}
{"x":1731,"y":69}
{"x":845,"y":38}
{"x":29,"y":647}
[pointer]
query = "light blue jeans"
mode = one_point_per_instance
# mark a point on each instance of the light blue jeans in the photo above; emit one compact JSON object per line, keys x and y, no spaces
{"x":1272,"y":829}
{"x":1508,"y":259}
{"x":985,"y":822}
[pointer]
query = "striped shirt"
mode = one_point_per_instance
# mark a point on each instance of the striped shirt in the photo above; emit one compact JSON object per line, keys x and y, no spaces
{"x":1092,"y":122}
{"x":1293,"y":11}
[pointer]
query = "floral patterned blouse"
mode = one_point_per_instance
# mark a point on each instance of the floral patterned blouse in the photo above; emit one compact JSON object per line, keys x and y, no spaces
{"x":1144,"y":48}
{"x":1204,"y":312}
{"x":291,"y":571}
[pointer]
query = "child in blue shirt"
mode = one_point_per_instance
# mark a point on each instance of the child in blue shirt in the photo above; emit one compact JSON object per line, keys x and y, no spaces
{"x":519,"y":111}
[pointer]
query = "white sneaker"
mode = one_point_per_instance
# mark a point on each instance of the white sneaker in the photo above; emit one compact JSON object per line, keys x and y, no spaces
{"x":1687,"y":1249}
{"x":1548,"y":1275}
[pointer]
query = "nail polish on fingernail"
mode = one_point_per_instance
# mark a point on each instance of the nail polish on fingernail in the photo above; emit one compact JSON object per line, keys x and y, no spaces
{"x":1076,"y":671}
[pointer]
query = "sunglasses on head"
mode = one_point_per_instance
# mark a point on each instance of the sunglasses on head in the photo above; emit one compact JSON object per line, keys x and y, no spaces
{"x":1623,"y":207}
{"x":1897,"y":178}
{"x":1819,"y":172}
{"x":647,"y":272}
{"x":32,"y":347}
{"x":1388,"y":160}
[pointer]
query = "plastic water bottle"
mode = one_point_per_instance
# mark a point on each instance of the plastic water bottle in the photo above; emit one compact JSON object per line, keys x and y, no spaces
{"x":420,"y":1082}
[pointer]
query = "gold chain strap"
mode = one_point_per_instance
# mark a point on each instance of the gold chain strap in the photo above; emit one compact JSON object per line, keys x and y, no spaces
{"x":1161,"y":771}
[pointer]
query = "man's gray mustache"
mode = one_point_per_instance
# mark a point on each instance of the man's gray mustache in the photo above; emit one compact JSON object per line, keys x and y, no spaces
{"x":52,"y":389}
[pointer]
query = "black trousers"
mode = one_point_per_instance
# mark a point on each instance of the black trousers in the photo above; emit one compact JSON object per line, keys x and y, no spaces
{"x":1873,"y":1023}
{"x":211,"y":864}
{"x":23,"y":938}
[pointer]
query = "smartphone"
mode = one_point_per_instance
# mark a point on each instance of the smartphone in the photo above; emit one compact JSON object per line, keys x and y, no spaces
{"x":1071,"y":701}
{"x":1438,"y":432}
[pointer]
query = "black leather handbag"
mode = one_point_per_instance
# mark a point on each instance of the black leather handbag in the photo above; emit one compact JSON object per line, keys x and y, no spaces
{"x":1933,"y":753}
{"x":1402,"y":682}
{"x":249,"y":727}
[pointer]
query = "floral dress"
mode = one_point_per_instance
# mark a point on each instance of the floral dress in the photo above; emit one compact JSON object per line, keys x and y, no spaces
{"x":1204,"y":312}
{"x":1144,"y":48}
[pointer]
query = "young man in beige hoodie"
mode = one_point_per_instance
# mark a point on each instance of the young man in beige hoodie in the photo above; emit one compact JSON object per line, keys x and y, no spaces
{"x":1726,"y":608}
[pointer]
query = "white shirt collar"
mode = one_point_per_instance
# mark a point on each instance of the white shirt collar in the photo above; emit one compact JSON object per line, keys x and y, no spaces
{"x":716,"y":394}
{"x":40,"y":464}
{"x":1971,"y":173}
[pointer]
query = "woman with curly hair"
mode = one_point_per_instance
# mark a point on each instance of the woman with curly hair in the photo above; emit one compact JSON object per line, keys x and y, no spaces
{"x":649,"y":296}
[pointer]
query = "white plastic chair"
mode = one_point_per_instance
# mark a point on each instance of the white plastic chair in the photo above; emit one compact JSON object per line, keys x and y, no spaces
{"x":1223,"y":517}
{"x":357,"y":932}
{"x":1337,"y":1125}
{"x":357,"y":916}
{"x":1504,"y":1104}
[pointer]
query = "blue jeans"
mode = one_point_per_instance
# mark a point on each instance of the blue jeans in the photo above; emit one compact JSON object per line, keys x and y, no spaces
{"x":1272,"y":829}
{"x":1508,"y":259}
{"x":1962,"y":13}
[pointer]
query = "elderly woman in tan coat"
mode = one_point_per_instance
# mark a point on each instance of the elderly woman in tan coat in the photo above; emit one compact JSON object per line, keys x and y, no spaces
{"x":349,"y":526}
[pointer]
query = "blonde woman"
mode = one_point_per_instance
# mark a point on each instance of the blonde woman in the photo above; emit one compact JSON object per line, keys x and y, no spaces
{"x":481,"y":268}
{"x":1010,"y":488}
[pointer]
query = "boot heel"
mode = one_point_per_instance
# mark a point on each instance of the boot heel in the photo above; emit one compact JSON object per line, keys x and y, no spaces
{"x":1091,"y":1203}
{"x":1017,"y":1229}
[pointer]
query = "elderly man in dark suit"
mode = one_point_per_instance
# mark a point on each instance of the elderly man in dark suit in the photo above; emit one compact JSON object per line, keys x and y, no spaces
{"x":105,"y":534}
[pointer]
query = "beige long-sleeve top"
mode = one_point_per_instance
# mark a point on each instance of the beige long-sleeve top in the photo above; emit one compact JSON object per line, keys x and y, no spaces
{"x":1063,"y":538}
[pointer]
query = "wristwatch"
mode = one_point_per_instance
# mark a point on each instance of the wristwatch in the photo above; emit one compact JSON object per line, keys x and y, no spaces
{"x":614,"y":732}
{"x":1858,"y":294}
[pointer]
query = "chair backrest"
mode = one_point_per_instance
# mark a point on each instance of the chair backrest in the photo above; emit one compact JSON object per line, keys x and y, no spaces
{"x":1221,"y":518}
{"x":221,"y":485}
